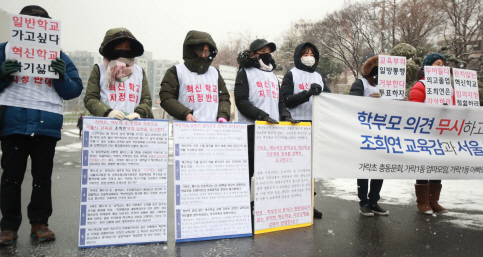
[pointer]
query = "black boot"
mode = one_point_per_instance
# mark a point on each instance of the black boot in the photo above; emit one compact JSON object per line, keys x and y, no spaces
{"x":317,"y":214}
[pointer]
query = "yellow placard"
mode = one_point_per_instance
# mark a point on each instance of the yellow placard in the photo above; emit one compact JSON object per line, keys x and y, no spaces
{"x":284,"y":123}
{"x":257,"y":232}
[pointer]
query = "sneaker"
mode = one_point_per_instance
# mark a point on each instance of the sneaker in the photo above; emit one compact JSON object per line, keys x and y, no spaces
{"x":378,"y":210}
{"x":8,"y":237}
{"x":42,"y":232}
{"x":317,"y":214}
{"x":366,"y":211}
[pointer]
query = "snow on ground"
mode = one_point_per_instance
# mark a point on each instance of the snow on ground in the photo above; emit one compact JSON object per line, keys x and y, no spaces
{"x":462,"y":198}
{"x":71,"y":132}
{"x":75,"y":147}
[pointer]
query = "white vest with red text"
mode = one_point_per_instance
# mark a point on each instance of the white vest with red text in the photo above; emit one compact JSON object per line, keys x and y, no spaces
{"x":32,"y":93}
{"x":263,"y":93}
{"x":302,"y":81}
{"x":122,"y":96}
{"x":199,"y":92}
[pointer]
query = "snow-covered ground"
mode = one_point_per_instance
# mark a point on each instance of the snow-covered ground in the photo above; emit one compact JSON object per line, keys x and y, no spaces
{"x":462,"y":198}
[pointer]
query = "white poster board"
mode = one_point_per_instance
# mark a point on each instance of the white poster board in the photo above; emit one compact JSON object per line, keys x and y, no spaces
{"x":212,"y":195}
{"x":228,"y":72}
{"x":283,"y":176}
{"x":392,"y":76}
{"x":34,"y":42}
{"x":466,"y":87}
{"x":124,"y":182}
{"x":437,"y":81}
{"x":366,"y":138}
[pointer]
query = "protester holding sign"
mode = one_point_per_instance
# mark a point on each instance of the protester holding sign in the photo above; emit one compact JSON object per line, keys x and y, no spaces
{"x":257,"y":91}
{"x":427,"y":192}
{"x":301,"y":83}
{"x":367,"y":87}
{"x":195,"y":90}
{"x":31,"y":124}
{"x":118,"y":88}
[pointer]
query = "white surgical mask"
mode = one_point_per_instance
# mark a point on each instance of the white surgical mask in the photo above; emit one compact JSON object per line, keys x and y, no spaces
{"x":308,"y":61}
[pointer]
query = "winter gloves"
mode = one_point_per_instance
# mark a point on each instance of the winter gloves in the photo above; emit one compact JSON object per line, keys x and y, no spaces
{"x":9,"y":67}
{"x":267,"y":118}
{"x":133,"y":116}
{"x":59,"y":66}
{"x":116,"y":114}
{"x":287,"y":118}
{"x":221,"y":120}
{"x":315,"y":89}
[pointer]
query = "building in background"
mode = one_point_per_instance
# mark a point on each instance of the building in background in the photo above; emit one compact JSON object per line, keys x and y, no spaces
{"x":155,"y":72}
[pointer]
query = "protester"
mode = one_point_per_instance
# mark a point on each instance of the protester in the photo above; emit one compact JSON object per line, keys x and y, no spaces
{"x":367,"y":87}
{"x":79,"y":124}
{"x":195,"y":90}
{"x":117,"y":87}
{"x":427,"y":192}
{"x":256,"y":69}
{"x":31,"y":124}
{"x":301,"y":83}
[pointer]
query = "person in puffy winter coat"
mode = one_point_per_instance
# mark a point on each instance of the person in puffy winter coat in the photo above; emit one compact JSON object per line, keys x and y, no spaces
{"x":301,"y":83}
{"x":30,"y":128}
{"x":428,"y":191}
{"x":367,"y":87}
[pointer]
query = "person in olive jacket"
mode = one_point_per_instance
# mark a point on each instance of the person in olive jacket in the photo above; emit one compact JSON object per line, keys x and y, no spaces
{"x":195,"y":90}
{"x":118,"y":88}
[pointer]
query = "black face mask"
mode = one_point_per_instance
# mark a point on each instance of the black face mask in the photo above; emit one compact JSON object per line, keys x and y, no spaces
{"x":121,"y":53}
{"x":266,"y":58}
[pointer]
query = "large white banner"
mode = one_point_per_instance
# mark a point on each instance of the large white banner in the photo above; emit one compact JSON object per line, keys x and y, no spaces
{"x":358,"y":137}
{"x":283,"y":182}
{"x":124,"y":182}
{"x":212,"y":198}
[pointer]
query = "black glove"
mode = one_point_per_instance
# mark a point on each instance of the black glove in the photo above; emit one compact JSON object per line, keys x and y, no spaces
{"x":9,"y":67}
{"x":290,"y":119}
{"x":267,"y":118}
{"x":315,"y":89}
{"x":59,"y":66}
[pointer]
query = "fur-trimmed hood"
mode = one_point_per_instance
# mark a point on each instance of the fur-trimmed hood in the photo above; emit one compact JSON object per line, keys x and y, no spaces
{"x":369,"y":65}
{"x":245,"y":61}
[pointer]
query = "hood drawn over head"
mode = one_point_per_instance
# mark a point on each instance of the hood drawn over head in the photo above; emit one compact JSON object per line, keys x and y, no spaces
{"x":246,"y":61}
{"x":369,"y":65}
{"x":195,"y":63}
{"x":117,"y":35}
{"x":297,"y":57}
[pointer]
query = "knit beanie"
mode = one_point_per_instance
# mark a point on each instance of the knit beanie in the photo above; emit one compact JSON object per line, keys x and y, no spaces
{"x":432,"y":57}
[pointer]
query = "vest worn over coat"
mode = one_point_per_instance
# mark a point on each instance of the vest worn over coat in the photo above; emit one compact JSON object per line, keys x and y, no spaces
{"x":302,"y":81}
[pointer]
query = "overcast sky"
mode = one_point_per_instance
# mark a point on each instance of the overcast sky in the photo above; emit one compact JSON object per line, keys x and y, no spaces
{"x":161,"y":26}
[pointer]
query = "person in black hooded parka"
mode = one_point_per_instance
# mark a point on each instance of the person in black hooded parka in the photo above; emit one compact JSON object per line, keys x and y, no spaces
{"x":301,"y":83}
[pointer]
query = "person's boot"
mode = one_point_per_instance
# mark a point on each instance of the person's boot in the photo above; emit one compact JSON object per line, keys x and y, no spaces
{"x":42,"y":232}
{"x":317,"y":214}
{"x":434,"y":191}
{"x":8,"y":237}
{"x":422,"y":198}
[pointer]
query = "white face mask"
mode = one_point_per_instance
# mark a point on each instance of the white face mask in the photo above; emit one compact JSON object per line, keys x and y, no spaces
{"x":308,"y":61}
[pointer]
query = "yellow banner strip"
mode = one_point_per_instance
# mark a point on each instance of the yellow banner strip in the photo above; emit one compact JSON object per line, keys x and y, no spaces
{"x":257,"y":232}
{"x":284,"y":123}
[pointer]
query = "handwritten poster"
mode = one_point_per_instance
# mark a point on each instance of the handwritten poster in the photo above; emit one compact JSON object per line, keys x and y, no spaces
{"x":437,"y":81}
{"x":392,"y":76}
{"x":212,"y":197}
{"x":283,"y":176}
{"x":466,"y":88}
{"x":123,"y":182}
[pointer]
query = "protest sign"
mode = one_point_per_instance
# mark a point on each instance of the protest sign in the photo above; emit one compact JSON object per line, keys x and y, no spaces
{"x":34,"y":42}
{"x":124,"y":182}
{"x":212,"y":197}
{"x":365,"y":138}
{"x":283,"y":176}
{"x":392,"y":76}
{"x":438,"y":85}
{"x":466,"y":88}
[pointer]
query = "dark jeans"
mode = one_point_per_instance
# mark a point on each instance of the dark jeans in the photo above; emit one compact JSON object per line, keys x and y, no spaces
{"x":251,"y":151}
{"x":373,"y":196}
{"x":424,"y":182}
{"x":16,"y":150}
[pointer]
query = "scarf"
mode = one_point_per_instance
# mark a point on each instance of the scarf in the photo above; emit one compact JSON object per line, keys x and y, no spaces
{"x":118,"y":70}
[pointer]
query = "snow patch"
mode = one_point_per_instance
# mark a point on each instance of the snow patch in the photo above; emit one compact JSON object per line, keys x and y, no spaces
{"x":75,"y":147}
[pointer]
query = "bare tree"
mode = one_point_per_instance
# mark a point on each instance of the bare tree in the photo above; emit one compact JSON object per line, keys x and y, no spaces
{"x":228,"y":50}
{"x":462,"y":25}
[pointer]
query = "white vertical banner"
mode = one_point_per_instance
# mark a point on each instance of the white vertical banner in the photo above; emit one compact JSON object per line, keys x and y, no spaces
{"x":466,"y":87}
{"x":283,"y":176}
{"x":437,"y":81}
{"x":212,"y":195}
{"x":366,"y":138}
{"x":34,"y":42}
{"x":123,"y":182}
{"x":392,"y":76}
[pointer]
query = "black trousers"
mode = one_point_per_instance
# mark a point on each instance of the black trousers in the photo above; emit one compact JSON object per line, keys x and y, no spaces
{"x":251,"y":151}
{"x":424,"y":182}
{"x":373,"y":196}
{"x":16,"y":150}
